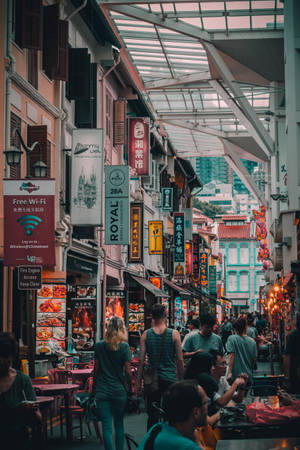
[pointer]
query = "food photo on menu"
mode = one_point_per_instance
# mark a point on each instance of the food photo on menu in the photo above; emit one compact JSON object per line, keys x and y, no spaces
{"x":83,"y":323}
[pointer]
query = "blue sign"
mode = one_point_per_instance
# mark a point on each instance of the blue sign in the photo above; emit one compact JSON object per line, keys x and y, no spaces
{"x":167,"y":199}
{"x":179,"y":243}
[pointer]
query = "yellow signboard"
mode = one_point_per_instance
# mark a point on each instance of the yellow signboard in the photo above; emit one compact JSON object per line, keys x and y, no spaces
{"x":155,"y":237}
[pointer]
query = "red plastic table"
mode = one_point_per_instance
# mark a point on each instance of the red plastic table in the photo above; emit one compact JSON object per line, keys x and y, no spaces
{"x":59,"y":389}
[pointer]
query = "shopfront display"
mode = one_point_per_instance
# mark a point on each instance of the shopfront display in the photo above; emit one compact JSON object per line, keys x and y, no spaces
{"x":177,"y":312}
{"x":115,"y":304}
{"x":50,"y":317}
{"x":83,"y":313}
{"x":184,"y":311}
{"x":136,"y":317}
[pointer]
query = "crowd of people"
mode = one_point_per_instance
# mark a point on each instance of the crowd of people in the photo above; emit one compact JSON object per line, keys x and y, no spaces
{"x":188,"y":379}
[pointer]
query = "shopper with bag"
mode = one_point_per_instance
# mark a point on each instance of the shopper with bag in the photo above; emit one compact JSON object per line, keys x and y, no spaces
{"x":163,"y":348}
{"x":112,"y":381}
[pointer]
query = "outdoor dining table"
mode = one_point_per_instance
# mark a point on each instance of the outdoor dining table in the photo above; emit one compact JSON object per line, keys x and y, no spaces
{"x":59,"y":389}
{"x":80,"y":374}
{"x":259,"y":444}
{"x":44,"y":403}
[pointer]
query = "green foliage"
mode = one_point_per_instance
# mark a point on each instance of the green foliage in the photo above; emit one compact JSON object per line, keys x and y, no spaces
{"x":207,"y":209}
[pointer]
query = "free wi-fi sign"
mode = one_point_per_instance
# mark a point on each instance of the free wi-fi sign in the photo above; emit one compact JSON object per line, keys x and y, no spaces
{"x":29,"y":223}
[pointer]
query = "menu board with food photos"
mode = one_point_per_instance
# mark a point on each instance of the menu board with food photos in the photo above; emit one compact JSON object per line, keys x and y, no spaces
{"x":136,"y":317}
{"x":83,"y":309}
{"x":115,"y":304}
{"x":50,"y":317}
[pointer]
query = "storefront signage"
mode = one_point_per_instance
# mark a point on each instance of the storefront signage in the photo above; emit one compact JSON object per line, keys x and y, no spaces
{"x":179,"y":243}
{"x":29,"y":277}
{"x":204,"y":269}
{"x":135,"y":249}
{"x":167,"y":199}
{"x":188,"y":258}
{"x":155,"y":228}
{"x":29,"y":217}
{"x":138,"y":145}
{"x":188,"y":224}
{"x":212,"y":279}
{"x":87,"y":176}
{"x":83,"y":309}
{"x":196,"y":248}
{"x":157,"y":281}
{"x":117,"y":205}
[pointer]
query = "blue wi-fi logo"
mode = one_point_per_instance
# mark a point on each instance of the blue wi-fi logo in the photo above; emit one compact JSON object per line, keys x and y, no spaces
{"x":29,"y":223}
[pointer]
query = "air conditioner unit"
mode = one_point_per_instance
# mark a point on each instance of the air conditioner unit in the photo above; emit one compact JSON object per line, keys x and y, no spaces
{"x":277,"y":259}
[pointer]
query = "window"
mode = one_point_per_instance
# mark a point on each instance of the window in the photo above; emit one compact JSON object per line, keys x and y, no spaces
{"x":15,"y":122}
{"x":244,"y":254}
{"x":256,"y":255}
{"x":232,"y":254}
{"x":232,"y":282}
{"x":108,"y":116}
{"x":260,"y":281}
{"x":32,"y":67}
{"x":244,"y":281}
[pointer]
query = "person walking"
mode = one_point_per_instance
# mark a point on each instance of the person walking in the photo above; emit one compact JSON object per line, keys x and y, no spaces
{"x":251,"y":330}
{"x":160,"y":342}
{"x":185,"y":406}
{"x":242,"y":352}
{"x":204,"y":340}
{"x":226,"y":331}
{"x":194,"y":328}
{"x":112,"y":362}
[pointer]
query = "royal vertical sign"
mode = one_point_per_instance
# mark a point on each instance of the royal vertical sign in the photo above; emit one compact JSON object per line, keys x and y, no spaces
{"x":135,"y":249}
{"x":117,"y":205}
{"x":138,"y":145}
{"x":155,"y":228}
{"x":167,"y":199}
{"x":87,"y":176}
{"x":196,"y":248}
{"x":204,"y":269}
{"x":29,"y":218}
{"x":179,"y":245}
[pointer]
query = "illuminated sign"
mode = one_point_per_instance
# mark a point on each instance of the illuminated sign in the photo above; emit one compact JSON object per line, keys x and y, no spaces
{"x":157,"y":281}
{"x":167,"y":199}
{"x":212,"y":279}
{"x":188,"y":258}
{"x":135,"y":249}
{"x":196,"y":247}
{"x":204,"y":269}
{"x":138,"y":144}
{"x":155,"y":237}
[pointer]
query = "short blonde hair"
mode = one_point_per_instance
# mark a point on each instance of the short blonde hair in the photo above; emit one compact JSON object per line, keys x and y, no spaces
{"x":115,"y":333}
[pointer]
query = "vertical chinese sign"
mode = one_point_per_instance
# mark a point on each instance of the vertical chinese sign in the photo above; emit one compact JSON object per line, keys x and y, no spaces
{"x":135,"y":249}
{"x":155,"y":237}
{"x":196,"y":262}
{"x":167,"y":199}
{"x":204,"y":269}
{"x":117,"y":205}
{"x":179,"y":246}
{"x":212,"y":279}
{"x":29,"y":237}
{"x":138,"y":145}
{"x":188,"y":258}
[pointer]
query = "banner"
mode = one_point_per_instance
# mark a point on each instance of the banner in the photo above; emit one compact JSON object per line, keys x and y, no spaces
{"x":188,"y":223}
{"x":188,"y":258}
{"x":212,"y":279}
{"x":167,"y":199}
{"x":83,"y":309}
{"x":155,"y":228}
{"x":196,"y":248}
{"x":87,"y":176}
{"x":138,"y":145}
{"x":204,"y":269}
{"x":117,"y":205}
{"x":179,"y":246}
{"x":135,"y":249}
{"x":29,"y":217}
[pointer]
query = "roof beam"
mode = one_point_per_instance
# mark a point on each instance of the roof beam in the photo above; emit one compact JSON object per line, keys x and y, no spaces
{"x":236,"y":164}
{"x":198,"y":128}
{"x":193,"y":115}
{"x":157,"y":19}
{"x":142,"y":2}
{"x":180,"y":81}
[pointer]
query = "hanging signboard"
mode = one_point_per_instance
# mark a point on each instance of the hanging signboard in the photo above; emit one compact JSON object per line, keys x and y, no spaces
{"x":157,"y":281}
{"x":135,"y":249}
{"x":204,"y":269}
{"x":87,"y":176}
{"x":167,"y":199}
{"x":188,"y":224}
{"x":138,"y":145}
{"x":83,"y":309}
{"x":188,"y":258}
{"x":196,"y":248}
{"x":155,"y":228}
{"x":212,"y":279}
{"x":117,"y":205}
{"x":29,"y":237}
{"x":29,"y":277}
{"x":179,"y":246}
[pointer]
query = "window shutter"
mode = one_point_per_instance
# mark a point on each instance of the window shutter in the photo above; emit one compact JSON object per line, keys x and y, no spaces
{"x":51,"y":39}
{"x":32,"y":64}
{"x":68,"y":184}
{"x":79,"y":73}
{"x":42,"y":153}
{"x":62,"y":71}
{"x":119,"y":122}
{"x":17,"y":24}
{"x":86,"y":109}
{"x":32,"y":24}
{"x":15,"y":122}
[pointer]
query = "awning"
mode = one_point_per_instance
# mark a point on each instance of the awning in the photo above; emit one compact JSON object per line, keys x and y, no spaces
{"x":150,"y":287}
{"x":287,"y":278}
{"x":182,"y":292}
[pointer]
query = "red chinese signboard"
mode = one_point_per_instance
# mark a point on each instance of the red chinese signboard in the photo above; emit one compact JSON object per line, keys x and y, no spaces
{"x":135,"y":249}
{"x":204,"y":269}
{"x":188,"y":258}
{"x":196,"y":246}
{"x":29,"y":237}
{"x":138,"y":144}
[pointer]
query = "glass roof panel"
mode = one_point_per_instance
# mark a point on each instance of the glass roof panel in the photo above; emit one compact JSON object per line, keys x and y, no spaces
{"x":237,"y":5}
{"x":212,"y":6}
{"x":263,"y":5}
{"x":238,"y":22}
{"x":214,"y":23}
{"x":263,"y":21}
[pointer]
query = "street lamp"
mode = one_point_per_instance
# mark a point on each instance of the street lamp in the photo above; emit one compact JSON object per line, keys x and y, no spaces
{"x":13,"y":157}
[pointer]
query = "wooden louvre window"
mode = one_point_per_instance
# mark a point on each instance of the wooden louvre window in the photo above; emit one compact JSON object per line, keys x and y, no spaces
{"x":32,"y":67}
{"x":86,"y":108}
{"x":79,"y":73}
{"x":51,"y":38}
{"x":108,"y":115}
{"x":62,"y":70}
{"x":32,"y":24}
{"x":15,"y":122}
{"x":42,"y":152}
{"x":119,"y":122}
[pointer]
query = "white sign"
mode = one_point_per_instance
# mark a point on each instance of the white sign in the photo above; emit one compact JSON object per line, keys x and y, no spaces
{"x":87,"y":177}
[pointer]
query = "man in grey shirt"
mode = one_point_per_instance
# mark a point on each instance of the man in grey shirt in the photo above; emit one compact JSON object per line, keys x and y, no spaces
{"x":251,"y":330}
{"x":204,"y":340}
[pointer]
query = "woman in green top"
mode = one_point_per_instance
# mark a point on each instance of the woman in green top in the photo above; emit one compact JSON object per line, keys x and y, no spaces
{"x":112,"y":362}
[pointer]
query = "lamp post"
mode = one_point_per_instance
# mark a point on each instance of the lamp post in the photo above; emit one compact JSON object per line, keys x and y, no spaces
{"x":13,"y":157}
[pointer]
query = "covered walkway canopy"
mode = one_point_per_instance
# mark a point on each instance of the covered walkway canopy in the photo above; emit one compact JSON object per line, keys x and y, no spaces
{"x":209,"y":69}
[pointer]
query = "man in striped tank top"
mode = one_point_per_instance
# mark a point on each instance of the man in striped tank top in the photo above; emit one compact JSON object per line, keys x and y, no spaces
{"x":170,"y":367}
